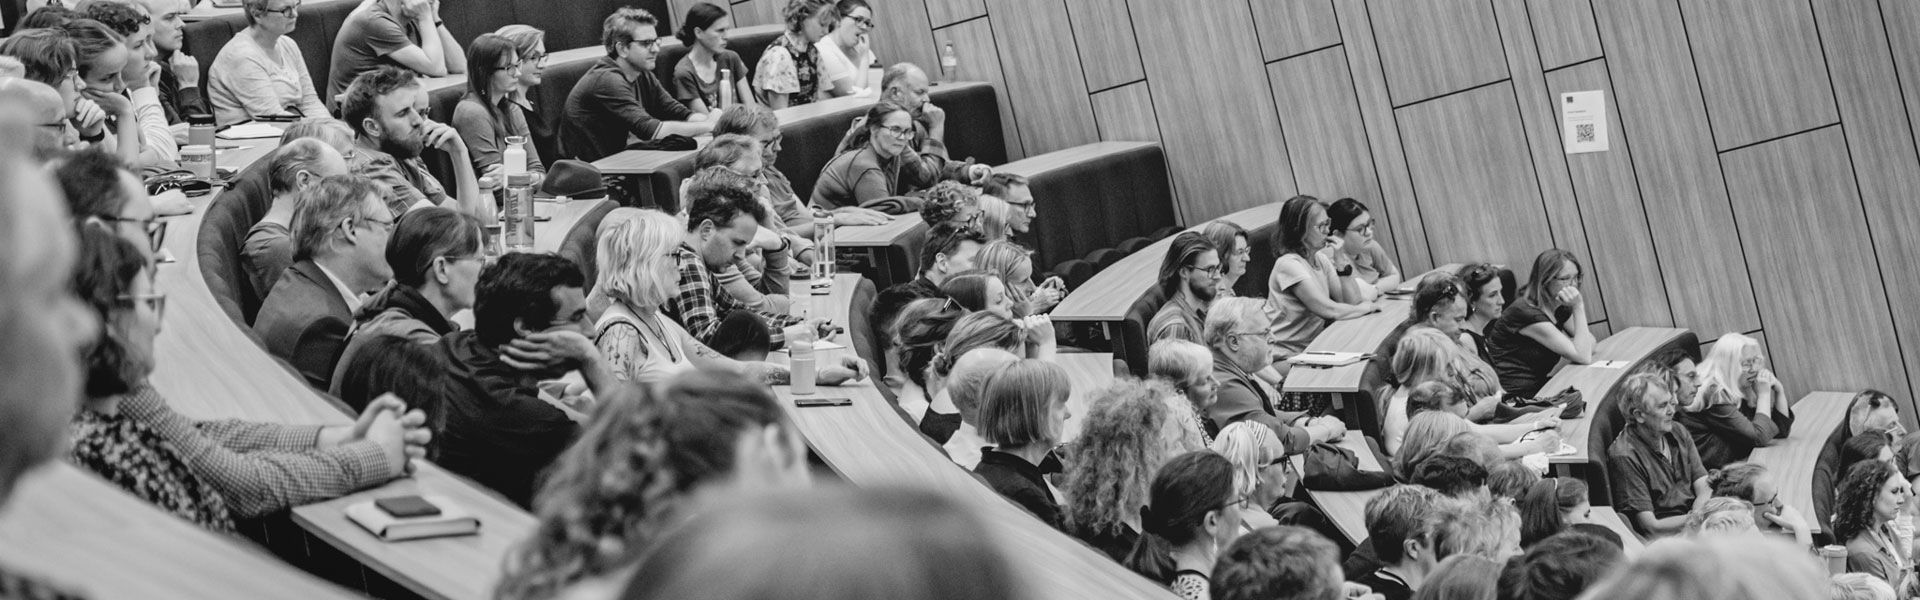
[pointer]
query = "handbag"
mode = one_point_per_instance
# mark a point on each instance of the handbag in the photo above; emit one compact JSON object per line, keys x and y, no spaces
{"x":1336,"y":469}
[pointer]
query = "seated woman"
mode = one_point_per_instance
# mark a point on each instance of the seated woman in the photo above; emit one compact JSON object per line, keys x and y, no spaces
{"x":1870,"y":411}
{"x":207,"y":472}
{"x":1425,"y":357}
{"x":1738,"y":405}
{"x":487,"y":116}
{"x":261,"y":73}
{"x":1235,"y":252}
{"x":1024,"y":415}
{"x":846,"y":55}
{"x":1351,"y":225}
{"x":105,"y":116}
{"x":979,"y":291}
{"x":1187,"y":369}
{"x":1014,"y":265}
{"x":532,"y":45}
{"x":437,"y":254}
{"x":1192,"y":510}
{"x":1263,"y":473}
{"x":1125,"y":439}
{"x":1870,"y":497}
{"x":703,"y":431}
{"x":1751,"y":483}
{"x":1031,"y":337}
{"x":918,"y":336}
{"x":697,"y":80}
{"x":1547,"y":322}
{"x":1550,"y":506}
{"x":1306,"y":292}
{"x":789,"y":72}
{"x":1428,"y":434}
{"x":1488,"y":295}
{"x":993,"y":219}
{"x":876,"y":161}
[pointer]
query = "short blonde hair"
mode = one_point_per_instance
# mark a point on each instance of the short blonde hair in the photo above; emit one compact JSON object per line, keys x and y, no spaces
{"x":994,"y":216}
{"x":1250,"y":446}
{"x":1721,"y":515}
{"x":1427,"y":436}
{"x":1476,"y":527}
{"x":1017,"y":410}
{"x":1178,"y":363}
{"x":630,"y":254}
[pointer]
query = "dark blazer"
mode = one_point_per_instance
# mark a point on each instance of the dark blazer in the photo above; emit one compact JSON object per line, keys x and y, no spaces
{"x":304,"y":322}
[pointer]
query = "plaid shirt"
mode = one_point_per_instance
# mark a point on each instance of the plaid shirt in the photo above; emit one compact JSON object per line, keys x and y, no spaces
{"x":699,"y":304}
{"x":261,"y":468}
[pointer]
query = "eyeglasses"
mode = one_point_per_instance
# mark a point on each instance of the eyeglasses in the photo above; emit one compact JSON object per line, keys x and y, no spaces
{"x":899,"y":132}
{"x":1368,"y":228}
{"x":1574,"y":278}
{"x":512,"y":66}
{"x":288,"y":12}
{"x":156,"y":229}
{"x":1324,"y":227}
{"x":385,"y":225}
{"x":539,"y":59}
{"x":1211,"y":271}
{"x":652,"y":44}
{"x":155,"y":302}
{"x":863,"y":21}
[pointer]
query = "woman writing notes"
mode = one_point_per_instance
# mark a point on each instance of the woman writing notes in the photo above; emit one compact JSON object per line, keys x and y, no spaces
{"x":709,"y":65}
{"x":1545,"y":323}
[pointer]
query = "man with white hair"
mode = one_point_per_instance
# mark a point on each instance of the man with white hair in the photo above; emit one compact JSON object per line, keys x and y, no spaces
{"x":1236,"y":331}
{"x":40,"y":104}
{"x":1655,"y":470}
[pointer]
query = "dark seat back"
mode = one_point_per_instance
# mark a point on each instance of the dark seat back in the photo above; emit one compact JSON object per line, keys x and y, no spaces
{"x":1132,"y":345}
{"x":579,"y":244}
{"x":223,"y":229}
{"x":1096,"y":201}
{"x":319,"y":24}
{"x":748,"y":42}
{"x":572,"y":24}
{"x":551,"y":97}
{"x":807,"y":146}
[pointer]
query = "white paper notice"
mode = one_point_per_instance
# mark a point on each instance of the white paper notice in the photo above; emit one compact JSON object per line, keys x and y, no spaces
{"x":1583,"y":121}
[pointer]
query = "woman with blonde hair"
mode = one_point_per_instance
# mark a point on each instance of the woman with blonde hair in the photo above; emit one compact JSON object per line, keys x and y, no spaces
{"x":1738,"y":404}
{"x":1121,"y":445}
{"x":1427,"y":436}
{"x":632,"y":472}
{"x":1024,"y":415}
{"x":1187,"y":368}
{"x":1014,"y":265}
{"x":1023,"y":337}
{"x":1264,"y":474}
{"x":1427,"y":355}
{"x":1721,"y":515}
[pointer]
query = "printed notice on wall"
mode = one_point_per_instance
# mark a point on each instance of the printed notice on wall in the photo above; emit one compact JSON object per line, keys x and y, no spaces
{"x":1583,"y":121}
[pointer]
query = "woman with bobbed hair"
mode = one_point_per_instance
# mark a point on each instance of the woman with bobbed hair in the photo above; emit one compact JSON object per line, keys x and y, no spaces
{"x":1014,"y":265}
{"x":979,"y":291}
{"x":1752,"y":483}
{"x":1870,"y":498}
{"x":487,"y":114}
{"x":789,"y":73}
{"x":1546,"y":323}
{"x":1306,"y":291}
{"x":1236,"y":250}
{"x":1716,"y":568}
{"x":261,"y":71}
{"x":1264,"y":474}
{"x":1122,"y":443}
{"x":1351,"y":228}
{"x":636,"y":470}
{"x":1024,"y":415}
{"x":1187,"y":369}
{"x":877,"y":160}
{"x":696,"y":79}
{"x":1191,"y":514}
{"x":1550,"y":506}
{"x":436,"y":254}
{"x":1738,"y":405}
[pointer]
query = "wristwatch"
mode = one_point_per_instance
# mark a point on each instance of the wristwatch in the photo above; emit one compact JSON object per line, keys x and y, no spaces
{"x":1346,"y":271}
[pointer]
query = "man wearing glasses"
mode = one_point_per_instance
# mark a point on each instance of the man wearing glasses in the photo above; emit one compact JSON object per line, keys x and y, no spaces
{"x":43,"y":105}
{"x":906,"y":85}
{"x":1190,"y":278}
{"x":340,"y":235}
{"x":403,"y":33}
{"x":619,"y":96}
{"x":1018,"y":195}
{"x":1236,"y":331}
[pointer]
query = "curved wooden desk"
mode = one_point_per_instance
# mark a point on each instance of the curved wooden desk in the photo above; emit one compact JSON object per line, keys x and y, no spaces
{"x":1792,"y":460}
{"x":1596,"y":383}
{"x":1106,"y":297}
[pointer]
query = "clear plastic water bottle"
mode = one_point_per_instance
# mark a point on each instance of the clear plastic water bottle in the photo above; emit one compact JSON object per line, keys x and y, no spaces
{"x":823,"y":267}
{"x":949,"y":63}
{"x":519,"y":212}
{"x":513,"y":160}
{"x":726,"y":89}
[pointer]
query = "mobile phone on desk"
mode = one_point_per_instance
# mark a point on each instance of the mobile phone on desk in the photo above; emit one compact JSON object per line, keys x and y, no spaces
{"x":407,"y":507}
{"x":817,"y":402}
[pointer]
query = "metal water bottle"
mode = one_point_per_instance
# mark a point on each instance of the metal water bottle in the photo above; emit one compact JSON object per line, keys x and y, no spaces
{"x":519,"y":211}
{"x":726,"y":89}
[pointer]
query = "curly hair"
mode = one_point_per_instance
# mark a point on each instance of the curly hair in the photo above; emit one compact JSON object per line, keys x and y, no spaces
{"x":950,"y":202}
{"x":798,"y":11}
{"x":612,"y":492}
{"x":1119,"y":448}
{"x":1853,"y":503}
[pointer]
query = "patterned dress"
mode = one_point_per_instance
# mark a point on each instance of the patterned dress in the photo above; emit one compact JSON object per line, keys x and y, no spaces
{"x":789,"y":67}
{"x":136,"y":458}
{"x":20,"y":587}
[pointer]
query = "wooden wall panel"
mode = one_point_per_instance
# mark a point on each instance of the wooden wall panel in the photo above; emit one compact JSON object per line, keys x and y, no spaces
{"x":1126,"y":114}
{"x":1103,"y":30}
{"x":1478,"y":196}
{"x":1565,"y":31}
{"x":1881,"y":143}
{"x":1290,"y":27}
{"x":979,"y":56}
{"x":1797,"y":199}
{"x":1325,"y":136}
{"x":1658,"y":96}
{"x":756,"y":12}
{"x":1046,"y":87}
{"x":901,"y":34}
{"x":1760,"y":67}
{"x":1383,"y":137}
{"x":942,"y":13}
{"x":1226,"y":151}
{"x":1435,"y":47}
{"x":1625,"y":255}
{"x":1540,"y":121}
{"x":1905,"y":17}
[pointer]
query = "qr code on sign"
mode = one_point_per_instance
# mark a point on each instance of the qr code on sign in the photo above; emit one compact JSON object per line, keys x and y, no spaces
{"x":1583,"y":133}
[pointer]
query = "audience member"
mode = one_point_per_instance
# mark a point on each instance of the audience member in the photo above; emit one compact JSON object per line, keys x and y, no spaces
{"x":179,"y":73}
{"x":532,"y":45}
{"x":1559,"y":567}
{"x":387,"y":108}
{"x":698,"y":78}
{"x":1400,"y":535}
{"x":1465,"y":577}
{"x":916,"y":340}
{"x":99,"y":187}
{"x":1427,"y":355}
{"x":1236,"y":330}
{"x":1189,"y":278}
{"x":407,"y":34}
{"x":1013,"y":190}
{"x":292,"y":169}
{"x":1236,"y":250}
{"x":995,"y":219}
{"x":1550,"y":506}
{"x":134,"y":28}
{"x":758,"y":278}
{"x":43,"y":105}
{"x":1023,"y":414}
{"x":1427,"y":437}
{"x":876,"y":161}
{"x":722,"y":217}
{"x":1721,"y":516}
{"x":1509,"y":479}
{"x":966,"y":387}
{"x":1488,"y":293}
{"x":1654,"y":470}
{"x":487,"y":116}
{"x":1479,"y":526}
{"x":1263,"y":472}
{"x":1187,"y":369}
{"x":950,"y":202}
{"x":340,"y":233}
{"x":261,"y":73}
{"x":789,"y":70}
{"x":620,"y":96}
{"x":1452,"y":476}
{"x":1351,"y":243}
{"x":883,"y":543}
{"x":1121,"y":445}
{"x":644,"y":462}
{"x":413,"y":372}
{"x":529,"y":325}
{"x":1872,"y":445}
{"x":1546,"y":323}
{"x":1752,"y":483}
{"x":1191,"y":512}
{"x":1738,"y":406}
{"x":1031,"y":337}
{"x":51,"y":15}
{"x":845,"y":54}
{"x":107,"y":118}
{"x":1861,"y":586}
{"x":1306,"y":292}
{"x":1870,"y":497}
{"x":1715,"y":568}
{"x":1014,"y":265}
{"x":758,"y":122}
{"x":436,"y":255}
{"x":254,"y":183}
{"x":1278,"y":563}
{"x":950,"y":249}
{"x":1868,"y":411}
{"x":978,"y":291}
{"x":906,"y":85}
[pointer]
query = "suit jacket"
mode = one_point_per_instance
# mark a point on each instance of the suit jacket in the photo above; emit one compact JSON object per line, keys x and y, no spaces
{"x":304,"y":322}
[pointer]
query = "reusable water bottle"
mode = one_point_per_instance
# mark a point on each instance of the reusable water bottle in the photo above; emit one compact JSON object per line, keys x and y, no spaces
{"x":519,"y":212}
{"x":802,"y":365}
{"x":726,"y":89}
{"x":823,"y":268}
{"x":949,"y":63}
{"x":513,"y":160}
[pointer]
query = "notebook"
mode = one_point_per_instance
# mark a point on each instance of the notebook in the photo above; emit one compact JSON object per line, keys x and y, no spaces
{"x":1319,"y":358}
{"x":451,"y":521}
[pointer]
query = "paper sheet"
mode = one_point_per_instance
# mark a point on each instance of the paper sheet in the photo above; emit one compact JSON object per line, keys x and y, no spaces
{"x":1583,"y":118}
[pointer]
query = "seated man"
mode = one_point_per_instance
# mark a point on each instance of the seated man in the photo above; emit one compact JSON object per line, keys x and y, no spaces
{"x":387,"y":108}
{"x":966,"y":386}
{"x":906,"y":85}
{"x":620,"y":96}
{"x":1278,"y":563}
{"x":1236,"y":332}
{"x":340,"y":242}
{"x":1653,"y":466}
{"x":529,"y":325}
{"x":179,"y":83}
{"x":291,"y":170}
{"x":43,"y":107}
{"x":393,"y":33}
{"x":722,"y":219}
{"x":1012,"y":189}
{"x":1190,"y":277}
{"x":1398,"y":536}
{"x":950,"y":249}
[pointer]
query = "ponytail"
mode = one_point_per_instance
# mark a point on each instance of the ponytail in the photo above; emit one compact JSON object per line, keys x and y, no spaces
{"x":1185,"y":490}
{"x":1152,"y":554}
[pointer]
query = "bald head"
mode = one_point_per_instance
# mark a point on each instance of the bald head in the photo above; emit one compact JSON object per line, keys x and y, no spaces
{"x":968,"y":382}
{"x":40,"y":100}
{"x":906,"y":85}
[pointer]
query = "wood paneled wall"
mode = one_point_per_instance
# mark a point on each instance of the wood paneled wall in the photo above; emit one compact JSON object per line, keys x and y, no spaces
{"x":1761,"y":178}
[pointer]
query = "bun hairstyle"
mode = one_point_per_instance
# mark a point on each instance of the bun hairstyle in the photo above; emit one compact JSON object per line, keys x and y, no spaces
{"x":1185,"y":490}
{"x":701,"y":16}
{"x":976,"y":330}
{"x":919,"y":331}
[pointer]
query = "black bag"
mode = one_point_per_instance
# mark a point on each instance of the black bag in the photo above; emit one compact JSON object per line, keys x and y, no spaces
{"x":674,"y":142}
{"x":1335,"y":469}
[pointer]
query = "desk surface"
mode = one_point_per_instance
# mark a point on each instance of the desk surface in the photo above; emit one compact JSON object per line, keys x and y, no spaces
{"x":1633,"y":346}
{"x":547,"y":235}
{"x":1108,"y":295}
{"x":1347,"y":510}
{"x":1035,"y":165}
{"x":1603,"y":515}
{"x":878,"y":236}
{"x":1792,"y":460}
{"x":1363,"y":334}
{"x":73,"y":530}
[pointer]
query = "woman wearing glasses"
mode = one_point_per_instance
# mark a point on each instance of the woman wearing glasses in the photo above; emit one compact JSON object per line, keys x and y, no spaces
{"x":845,"y":54}
{"x":1738,"y":405}
{"x":1306,"y":290}
{"x":487,"y":116}
{"x":789,"y":71}
{"x":1236,"y":250}
{"x":1192,"y":513}
{"x":261,"y":73}
{"x":1545,"y":323}
{"x":1352,"y":243}
{"x":877,"y":160}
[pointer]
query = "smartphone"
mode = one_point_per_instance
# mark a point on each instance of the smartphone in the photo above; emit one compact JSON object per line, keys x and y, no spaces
{"x":813,"y":402}
{"x":407,"y":507}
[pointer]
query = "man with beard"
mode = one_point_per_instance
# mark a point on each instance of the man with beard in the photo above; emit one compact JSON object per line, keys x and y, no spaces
{"x":722,"y":216}
{"x":620,"y":96}
{"x":387,"y":109}
{"x":1189,"y":277}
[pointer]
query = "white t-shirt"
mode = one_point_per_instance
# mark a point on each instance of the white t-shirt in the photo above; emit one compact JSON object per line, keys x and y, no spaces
{"x":835,"y":65}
